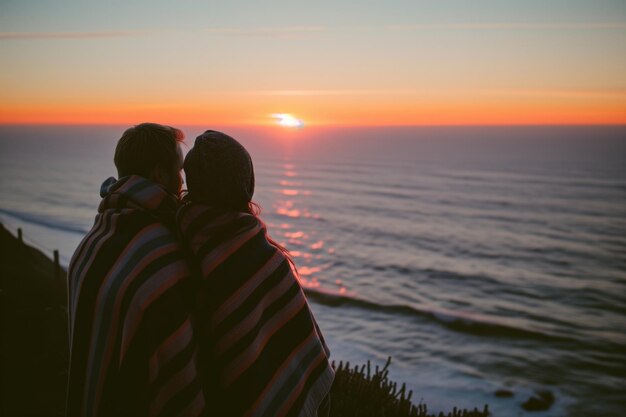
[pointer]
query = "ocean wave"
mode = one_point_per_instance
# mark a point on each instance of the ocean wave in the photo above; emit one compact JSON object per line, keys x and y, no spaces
{"x":44,"y":221}
{"x":461,"y":322}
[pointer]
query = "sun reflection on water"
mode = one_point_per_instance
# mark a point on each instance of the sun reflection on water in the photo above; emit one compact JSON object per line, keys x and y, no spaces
{"x":317,"y":245}
{"x":310,"y":252}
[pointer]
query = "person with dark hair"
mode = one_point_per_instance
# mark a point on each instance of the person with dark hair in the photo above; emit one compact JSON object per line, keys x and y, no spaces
{"x":151,"y":151}
{"x":261,"y":350}
{"x":133,"y":349}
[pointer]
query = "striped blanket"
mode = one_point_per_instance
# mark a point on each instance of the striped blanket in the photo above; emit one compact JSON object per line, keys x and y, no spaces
{"x":133,"y":351}
{"x":262,"y":351}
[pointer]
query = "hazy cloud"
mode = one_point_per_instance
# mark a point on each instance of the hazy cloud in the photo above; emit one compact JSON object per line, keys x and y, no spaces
{"x":504,"y":26}
{"x":70,"y":35}
{"x":618,"y":93}
{"x":278,"y":32}
{"x":285,"y":31}
{"x":305,"y":31}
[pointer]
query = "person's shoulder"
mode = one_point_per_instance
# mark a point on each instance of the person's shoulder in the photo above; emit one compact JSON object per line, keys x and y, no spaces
{"x":138,"y":232}
{"x":156,"y":256}
{"x":159,"y":234}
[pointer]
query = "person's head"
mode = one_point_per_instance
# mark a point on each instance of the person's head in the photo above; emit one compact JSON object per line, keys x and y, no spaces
{"x":151,"y":151}
{"x":219,"y":172}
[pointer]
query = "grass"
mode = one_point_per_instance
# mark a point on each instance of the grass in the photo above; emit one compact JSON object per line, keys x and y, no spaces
{"x":359,"y":392}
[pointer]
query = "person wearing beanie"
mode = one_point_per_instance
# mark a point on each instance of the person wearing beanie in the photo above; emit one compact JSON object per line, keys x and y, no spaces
{"x":261,"y":350}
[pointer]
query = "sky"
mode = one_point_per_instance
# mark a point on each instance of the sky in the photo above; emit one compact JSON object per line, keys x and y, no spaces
{"x":326,"y":62}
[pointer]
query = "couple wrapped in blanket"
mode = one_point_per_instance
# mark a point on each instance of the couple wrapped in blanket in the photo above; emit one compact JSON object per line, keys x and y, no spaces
{"x":186,"y":307}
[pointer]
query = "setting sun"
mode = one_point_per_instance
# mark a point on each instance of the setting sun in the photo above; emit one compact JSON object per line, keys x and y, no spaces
{"x":287,"y":120}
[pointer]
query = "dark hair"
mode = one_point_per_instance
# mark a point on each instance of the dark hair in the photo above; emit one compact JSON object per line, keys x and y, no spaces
{"x":147,"y":146}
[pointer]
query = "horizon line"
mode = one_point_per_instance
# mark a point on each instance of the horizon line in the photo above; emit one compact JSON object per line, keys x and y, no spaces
{"x":323,"y":125}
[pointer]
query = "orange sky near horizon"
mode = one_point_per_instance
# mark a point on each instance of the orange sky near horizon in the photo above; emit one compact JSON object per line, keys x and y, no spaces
{"x":328,"y":63}
{"x":327,"y":109}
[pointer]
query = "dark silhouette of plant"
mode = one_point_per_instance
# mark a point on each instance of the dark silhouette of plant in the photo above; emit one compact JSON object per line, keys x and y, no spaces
{"x":359,"y":393}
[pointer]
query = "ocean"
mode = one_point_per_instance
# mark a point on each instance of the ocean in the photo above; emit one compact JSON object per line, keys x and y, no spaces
{"x":478,"y":258}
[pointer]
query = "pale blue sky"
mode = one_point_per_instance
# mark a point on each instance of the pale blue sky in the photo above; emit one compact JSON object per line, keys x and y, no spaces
{"x":90,"y":15}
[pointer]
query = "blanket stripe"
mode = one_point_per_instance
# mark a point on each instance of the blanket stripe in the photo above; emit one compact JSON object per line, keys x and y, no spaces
{"x":133,"y":349}
{"x":261,"y":351}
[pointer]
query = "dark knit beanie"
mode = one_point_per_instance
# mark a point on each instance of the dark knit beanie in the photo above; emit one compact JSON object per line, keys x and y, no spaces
{"x":219,"y":172}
